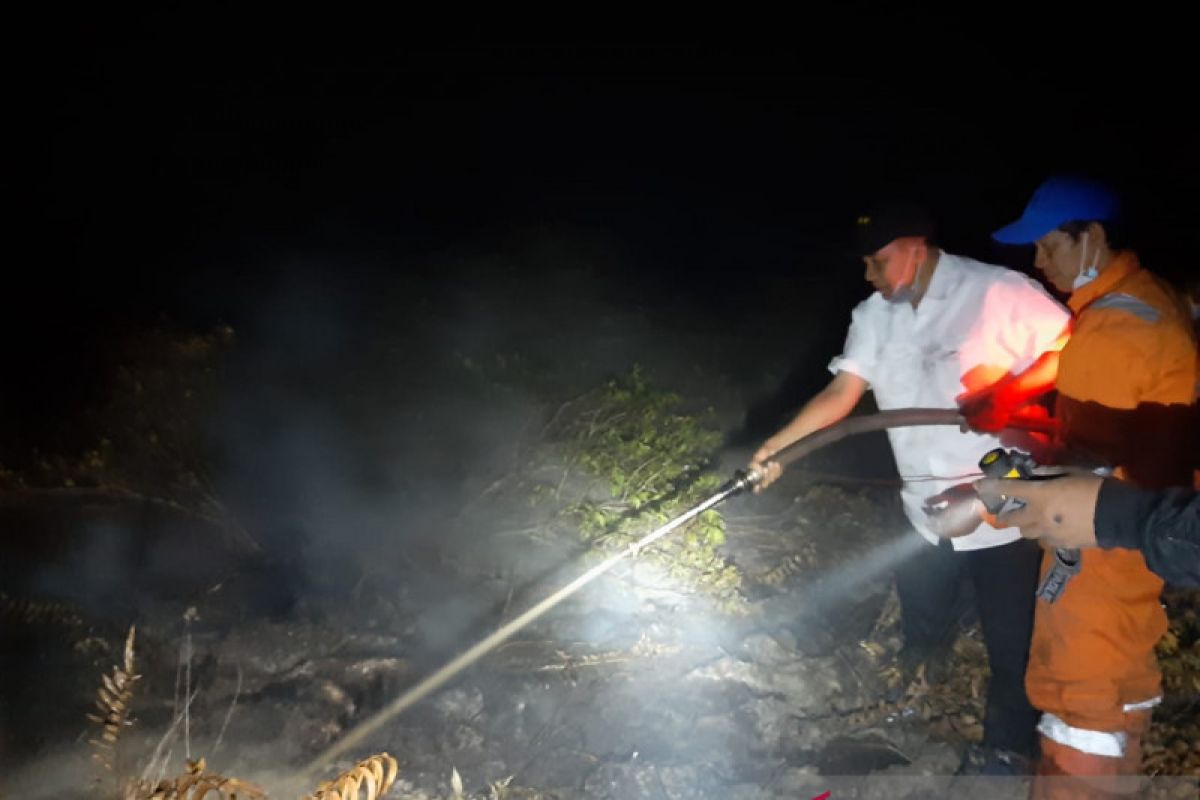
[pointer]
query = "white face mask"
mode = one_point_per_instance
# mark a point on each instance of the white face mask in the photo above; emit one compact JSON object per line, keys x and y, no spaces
{"x":905,"y":293}
{"x":1086,"y":274}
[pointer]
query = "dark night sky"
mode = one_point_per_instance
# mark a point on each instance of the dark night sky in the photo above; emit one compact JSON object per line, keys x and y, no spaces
{"x":160,"y":168}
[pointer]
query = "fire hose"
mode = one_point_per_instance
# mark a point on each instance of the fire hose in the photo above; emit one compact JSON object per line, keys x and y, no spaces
{"x":741,"y":481}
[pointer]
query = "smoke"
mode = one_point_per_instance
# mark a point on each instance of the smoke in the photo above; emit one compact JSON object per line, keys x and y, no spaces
{"x":371,"y":408}
{"x":843,"y":582}
{"x":368,"y":410}
{"x":96,"y":572}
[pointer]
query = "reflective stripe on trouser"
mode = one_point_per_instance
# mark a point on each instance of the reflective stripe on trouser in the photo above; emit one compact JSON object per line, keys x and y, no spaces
{"x":1078,"y":764}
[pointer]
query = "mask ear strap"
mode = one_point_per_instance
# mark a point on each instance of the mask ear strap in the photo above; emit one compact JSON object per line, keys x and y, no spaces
{"x":916,"y":268}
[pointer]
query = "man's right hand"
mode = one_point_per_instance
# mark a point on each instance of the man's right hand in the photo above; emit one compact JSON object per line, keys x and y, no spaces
{"x":761,"y":463}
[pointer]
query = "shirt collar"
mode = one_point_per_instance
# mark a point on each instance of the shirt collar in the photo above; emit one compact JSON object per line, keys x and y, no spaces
{"x":943,"y":278}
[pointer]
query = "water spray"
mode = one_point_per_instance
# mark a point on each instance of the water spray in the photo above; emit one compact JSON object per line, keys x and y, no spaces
{"x":741,"y":481}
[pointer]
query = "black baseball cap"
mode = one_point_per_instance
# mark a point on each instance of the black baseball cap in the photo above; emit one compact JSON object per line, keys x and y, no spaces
{"x":886,"y":223}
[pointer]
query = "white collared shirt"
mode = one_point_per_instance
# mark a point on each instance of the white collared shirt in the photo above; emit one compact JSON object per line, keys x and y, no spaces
{"x":971,"y":314}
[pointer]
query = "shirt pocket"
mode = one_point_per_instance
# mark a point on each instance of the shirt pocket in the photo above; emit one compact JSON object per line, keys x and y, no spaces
{"x":898,"y":381}
{"x":942,"y":371}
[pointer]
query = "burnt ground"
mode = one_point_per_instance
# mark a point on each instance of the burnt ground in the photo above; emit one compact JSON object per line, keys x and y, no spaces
{"x":400,"y":483}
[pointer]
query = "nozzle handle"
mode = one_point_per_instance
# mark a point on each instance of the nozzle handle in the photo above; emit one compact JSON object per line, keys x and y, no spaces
{"x":743,"y":480}
{"x":1006,"y":465}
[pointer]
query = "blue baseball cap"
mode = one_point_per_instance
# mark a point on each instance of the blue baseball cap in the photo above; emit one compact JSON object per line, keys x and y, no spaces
{"x":1057,"y":201}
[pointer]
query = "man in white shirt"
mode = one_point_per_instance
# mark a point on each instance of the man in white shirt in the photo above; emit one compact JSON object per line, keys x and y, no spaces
{"x":937,"y":328}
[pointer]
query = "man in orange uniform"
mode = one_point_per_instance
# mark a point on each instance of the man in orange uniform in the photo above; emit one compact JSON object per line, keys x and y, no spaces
{"x":1126,"y":383}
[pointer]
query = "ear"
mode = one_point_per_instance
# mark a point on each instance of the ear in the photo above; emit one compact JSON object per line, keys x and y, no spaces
{"x":1097,"y":234}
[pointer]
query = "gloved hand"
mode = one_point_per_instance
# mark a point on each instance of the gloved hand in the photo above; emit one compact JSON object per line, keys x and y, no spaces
{"x":987,"y":410}
{"x":1061,"y":511}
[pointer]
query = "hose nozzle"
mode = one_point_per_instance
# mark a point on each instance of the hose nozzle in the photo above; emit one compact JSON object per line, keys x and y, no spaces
{"x":742,"y":480}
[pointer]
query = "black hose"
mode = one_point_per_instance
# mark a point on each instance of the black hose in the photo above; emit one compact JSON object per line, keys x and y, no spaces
{"x":897,"y":418}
